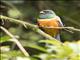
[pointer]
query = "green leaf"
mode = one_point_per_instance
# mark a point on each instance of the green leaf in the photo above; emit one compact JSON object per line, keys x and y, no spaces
{"x":53,"y":42}
{"x":75,"y":57}
{"x":61,"y":50}
{"x":64,"y":51}
{"x":38,"y":47}
{"x":4,"y":39}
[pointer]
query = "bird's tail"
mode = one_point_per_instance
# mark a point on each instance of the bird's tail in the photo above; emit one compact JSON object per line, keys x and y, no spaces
{"x":57,"y":37}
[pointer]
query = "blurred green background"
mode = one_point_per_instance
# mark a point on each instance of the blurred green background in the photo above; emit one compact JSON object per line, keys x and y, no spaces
{"x":28,"y":10}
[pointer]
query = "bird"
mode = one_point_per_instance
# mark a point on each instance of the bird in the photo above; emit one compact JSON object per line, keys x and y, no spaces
{"x":48,"y":19}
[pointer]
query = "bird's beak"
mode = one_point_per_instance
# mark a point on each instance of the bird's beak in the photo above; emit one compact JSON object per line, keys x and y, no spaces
{"x":41,"y":12}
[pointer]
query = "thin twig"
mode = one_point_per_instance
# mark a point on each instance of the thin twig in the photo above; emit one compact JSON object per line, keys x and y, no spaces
{"x":15,"y":41}
{"x":25,"y":24}
{"x":35,"y":27}
{"x":71,"y":28}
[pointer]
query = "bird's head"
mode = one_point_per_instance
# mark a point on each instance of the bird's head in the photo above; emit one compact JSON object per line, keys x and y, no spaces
{"x":47,"y":14}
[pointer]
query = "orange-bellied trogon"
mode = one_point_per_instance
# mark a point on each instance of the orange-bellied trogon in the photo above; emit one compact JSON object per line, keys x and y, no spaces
{"x":47,"y":18}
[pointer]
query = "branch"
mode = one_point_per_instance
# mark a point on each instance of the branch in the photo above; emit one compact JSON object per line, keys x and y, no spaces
{"x":15,"y":41}
{"x":35,"y":27}
{"x":71,"y":28}
{"x":26,"y":24}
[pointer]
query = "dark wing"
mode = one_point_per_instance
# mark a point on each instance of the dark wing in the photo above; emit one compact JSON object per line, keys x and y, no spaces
{"x":60,"y":25}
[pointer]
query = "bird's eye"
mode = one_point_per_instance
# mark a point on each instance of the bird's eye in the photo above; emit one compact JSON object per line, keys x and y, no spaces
{"x":46,"y":11}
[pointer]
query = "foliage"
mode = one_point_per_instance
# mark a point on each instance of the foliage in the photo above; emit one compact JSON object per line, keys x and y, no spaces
{"x":54,"y":50}
{"x":4,"y":39}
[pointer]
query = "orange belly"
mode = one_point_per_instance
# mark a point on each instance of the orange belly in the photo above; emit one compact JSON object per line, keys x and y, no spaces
{"x":49,"y":23}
